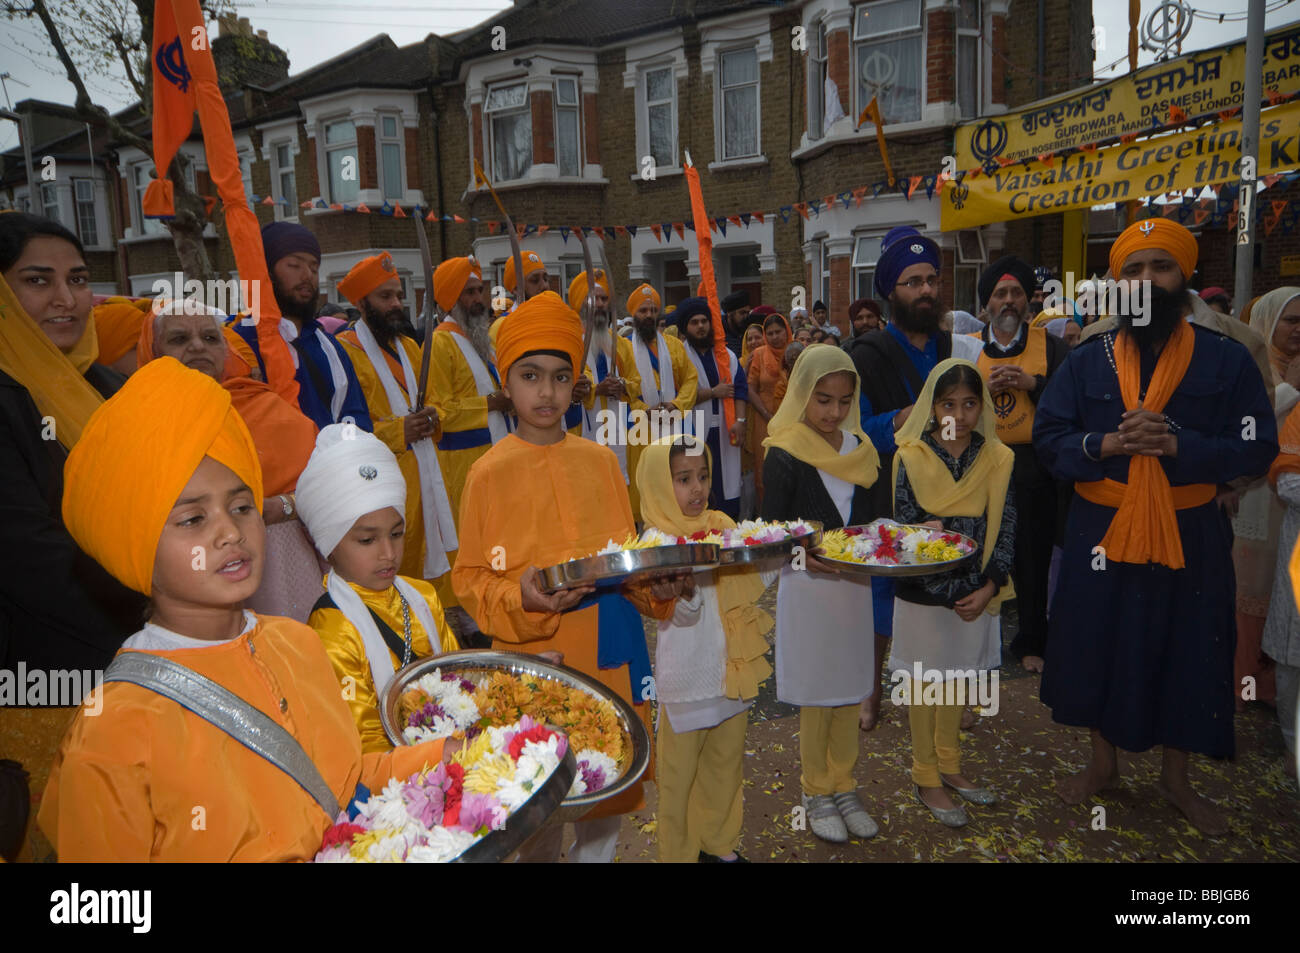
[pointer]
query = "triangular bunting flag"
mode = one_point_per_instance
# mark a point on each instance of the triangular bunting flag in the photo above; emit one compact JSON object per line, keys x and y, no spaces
{"x":1274,"y":97}
{"x":785,"y":211}
{"x":349,"y":208}
{"x":1170,"y":208}
{"x":719,"y":224}
{"x":336,"y":206}
{"x":1199,"y":215}
{"x":814,"y":206}
{"x":735,"y":220}
{"x":858,"y":195}
{"x":667,"y":230}
{"x":321,"y":203}
{"x":458,"y":220}
{"x":690,"y":226}
{"x":1279,"y":205}
{"x":493,"y":227}
{"x":679,"y":228}
{"x":1005,"y":161}
{"x":844,"y":198}
{"x":397,"y":211}
{"x":564,"y":233}
{"x":802,"y":209}
{"x":268,"y":201}
{"x":431,"y":217}
{"x":745,"y":218}
{"x":620,"y":231}
{"x":762,"y":218}
{"x":306,"y":204}
{"x":658,"y":232}
{"x":1176,"y":114}
{"x":912,"y":183}
{"x":587,"y":230}
{"x":929,"y":186}
{"x":543,"y":229}
{"x":631,"y":230}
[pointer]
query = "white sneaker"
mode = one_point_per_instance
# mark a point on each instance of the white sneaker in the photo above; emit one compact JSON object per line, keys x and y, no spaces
{"x":856,"y":819}
{"x":824,"y":818}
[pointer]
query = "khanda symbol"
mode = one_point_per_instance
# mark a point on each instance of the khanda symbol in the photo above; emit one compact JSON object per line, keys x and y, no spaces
{"x":171,"y":65}
{"x":958,"y":194}
{"x":987,"y":142}
{"x":1004,"y":404}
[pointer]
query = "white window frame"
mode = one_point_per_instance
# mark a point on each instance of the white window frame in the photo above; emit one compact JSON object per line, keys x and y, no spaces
{"x":720,"y":105}
{"x":644,"y":56}
{"x":327,"y":147}
{"x":727,"y":35}
{"x":80,"y":205}
{"x":49,"y":195}
{"x":860,"y":37}
{"x":818,"y":67}
{"x":278,"y":172}
{"x":489,"y":132}
{"x":362,"y":106}
{"x":576,"y":109}
{"x":245,"y":157}
{"x":647,"y":105}
{"x":398,"y":140}
{"x":972,"y":36}
{"x":860,"y":267}
{"x":824,"y":274}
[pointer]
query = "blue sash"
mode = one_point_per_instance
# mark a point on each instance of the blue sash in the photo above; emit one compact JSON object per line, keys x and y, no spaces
{"x":620,"y":638}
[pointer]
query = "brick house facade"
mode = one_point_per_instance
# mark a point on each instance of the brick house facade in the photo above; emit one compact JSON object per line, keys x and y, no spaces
{"x":589,"y":127}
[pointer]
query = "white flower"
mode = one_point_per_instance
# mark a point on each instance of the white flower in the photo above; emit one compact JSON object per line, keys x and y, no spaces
{"x":386,"y":809}
{"x":912,"y":541}
{"x":390,"y":849}
{"x":338,"y":854}
{"x":460,"y":707}
{"x":440,"y":846}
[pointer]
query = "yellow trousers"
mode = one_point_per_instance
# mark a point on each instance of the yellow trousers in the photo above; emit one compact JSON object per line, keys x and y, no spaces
{"x":700,"y":780}
{"x":828,"y":749}
{"x":936,"y":747}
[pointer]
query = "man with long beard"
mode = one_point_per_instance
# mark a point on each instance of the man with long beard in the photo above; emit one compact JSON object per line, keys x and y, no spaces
{"x":892,"y":365}
{"x":695,"y":326}
{"x":328,"y":389}
{"x":1149,"y":421}
{"x":1016,"y":361}
{"x":735,"y":308}
{"x":611,"y":365}
{"x":387,"y":364}
{"x":668,"y":380}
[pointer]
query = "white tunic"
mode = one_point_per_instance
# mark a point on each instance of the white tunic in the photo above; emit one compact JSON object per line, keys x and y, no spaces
{"x":825,"y":634}
{"x":937,"y":637}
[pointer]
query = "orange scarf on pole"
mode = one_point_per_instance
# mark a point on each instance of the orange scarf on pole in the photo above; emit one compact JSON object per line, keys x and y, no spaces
{"x":1145,"y":525}
{"x":710,"y":286}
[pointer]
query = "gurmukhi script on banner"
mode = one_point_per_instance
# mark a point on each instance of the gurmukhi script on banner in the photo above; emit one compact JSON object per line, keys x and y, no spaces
{"x":1201,"y":84}
{"x":1208,"y":155}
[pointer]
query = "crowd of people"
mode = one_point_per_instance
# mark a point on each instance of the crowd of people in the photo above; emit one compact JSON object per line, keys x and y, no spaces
{"x":272,"y":509}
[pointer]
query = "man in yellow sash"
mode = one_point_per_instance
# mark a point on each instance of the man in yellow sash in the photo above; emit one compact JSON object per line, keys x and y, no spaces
{"x":387,"y":363}
{"x":1148,"y":421}
{"x":1016,"y":362}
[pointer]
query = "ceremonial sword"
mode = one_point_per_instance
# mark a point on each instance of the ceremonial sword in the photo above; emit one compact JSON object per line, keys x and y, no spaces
{"x":429,"y":311}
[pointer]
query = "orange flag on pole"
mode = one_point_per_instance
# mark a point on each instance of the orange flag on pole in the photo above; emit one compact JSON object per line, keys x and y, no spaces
{"x":705,"y":240}
{"x":182,"y":62}
{"x":872,"y":112}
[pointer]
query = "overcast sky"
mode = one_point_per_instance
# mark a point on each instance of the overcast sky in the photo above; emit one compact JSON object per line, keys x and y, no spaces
{"x":315,"y":30}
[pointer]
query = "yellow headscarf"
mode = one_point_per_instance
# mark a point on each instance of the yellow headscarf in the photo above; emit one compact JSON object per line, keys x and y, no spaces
{"x":55,"y":381}
{"x":982,"y":488}
{"x":136,"y":455}
{"x":739,"y":587}
{"x":787,"y":430}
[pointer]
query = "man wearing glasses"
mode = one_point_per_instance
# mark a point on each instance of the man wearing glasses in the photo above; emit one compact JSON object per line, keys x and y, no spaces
{"x":893,"y":364}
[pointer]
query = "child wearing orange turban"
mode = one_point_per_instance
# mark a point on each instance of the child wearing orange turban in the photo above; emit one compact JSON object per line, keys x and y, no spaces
{"x":540,"y":497}
{"x":183,"y":527}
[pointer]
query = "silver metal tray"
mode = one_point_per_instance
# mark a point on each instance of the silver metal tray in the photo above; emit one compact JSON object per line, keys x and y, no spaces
{"x":734,"y":555}
{"x":474,"y":664}
{"x":903,"y":569}
{"x":532,"y":816}
{"x":616,"y":567}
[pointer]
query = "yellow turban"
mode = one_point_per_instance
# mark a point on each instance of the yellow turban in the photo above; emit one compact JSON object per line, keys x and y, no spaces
{"x":450,"y":278}
{"x":367,"y":275}
{"x":542,"y":323}
{"x":135,"y":456}
{"x":532,"y":262}
{"x":1155,"y":233}
{"x":117,"y":323}
{"x":578,"y":288}
{"x":640,"y":296}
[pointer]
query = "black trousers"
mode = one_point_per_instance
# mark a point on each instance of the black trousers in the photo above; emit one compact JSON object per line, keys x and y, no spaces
{"x":1036,"y":518}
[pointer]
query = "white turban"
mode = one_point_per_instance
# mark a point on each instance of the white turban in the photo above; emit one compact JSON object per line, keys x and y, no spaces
{"x":350,"y":473}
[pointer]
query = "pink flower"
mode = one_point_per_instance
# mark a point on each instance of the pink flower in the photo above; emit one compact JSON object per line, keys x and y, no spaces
{"x":480,"y":813}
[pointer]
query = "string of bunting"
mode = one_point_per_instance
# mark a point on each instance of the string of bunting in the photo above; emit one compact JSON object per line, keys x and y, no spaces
{"x":1198,"y":211}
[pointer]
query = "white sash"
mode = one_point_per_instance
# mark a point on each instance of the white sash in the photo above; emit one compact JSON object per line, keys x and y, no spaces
{"x":439,"y":528}
{"x":482,"y":382}
{"x":377,"y":653}
{"x":715,"y":418}
{"x":590,"y":423}
{"x":338,"y":377}
{"x":666,"y":389}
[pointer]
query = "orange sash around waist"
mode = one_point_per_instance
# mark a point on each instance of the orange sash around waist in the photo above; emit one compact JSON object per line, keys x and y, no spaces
{"x":1111,"y":493}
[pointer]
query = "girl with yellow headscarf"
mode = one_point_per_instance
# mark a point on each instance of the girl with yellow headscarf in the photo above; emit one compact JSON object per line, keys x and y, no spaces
{"x":952,"y":472}
{"x":820,"y":466}
{"x":709,"y":662}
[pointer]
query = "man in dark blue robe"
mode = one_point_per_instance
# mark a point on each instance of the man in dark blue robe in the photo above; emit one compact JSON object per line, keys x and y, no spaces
{"x":1141,"y":652}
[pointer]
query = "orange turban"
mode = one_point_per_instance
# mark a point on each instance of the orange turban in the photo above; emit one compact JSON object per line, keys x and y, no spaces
{"x":542,"y":323}
{"x":117,"y":323}
{"x":1155,"y":233}
{"x":640,"y":296}
{"x":532,"y":262}
{"x":450,"y":278}
{"x":367,"y":275}
{"x":578,"y":288}
{"x":135,"y":456}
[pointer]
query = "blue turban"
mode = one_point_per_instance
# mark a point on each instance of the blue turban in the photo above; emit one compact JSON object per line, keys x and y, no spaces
{"x":687,"y":309}
{"x":280,"y":239}
{"x":901,"y":248}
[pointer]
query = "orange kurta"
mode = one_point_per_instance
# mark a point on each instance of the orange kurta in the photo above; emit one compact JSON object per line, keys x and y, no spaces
{"x":528,"y":505}
{"x":146,"y":780}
